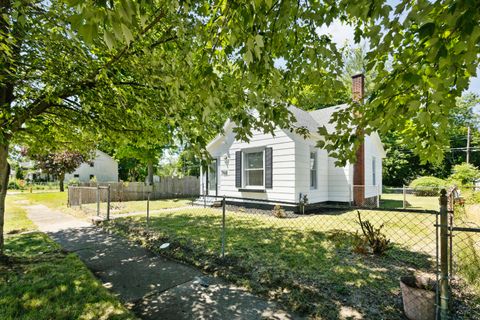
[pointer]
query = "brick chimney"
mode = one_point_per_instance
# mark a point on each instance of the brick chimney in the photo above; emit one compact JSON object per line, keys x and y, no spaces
{"x":358,"y":87}
{"x":358,"y":91}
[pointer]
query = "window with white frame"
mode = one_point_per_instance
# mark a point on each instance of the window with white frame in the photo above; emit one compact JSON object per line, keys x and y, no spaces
{"x":254,"y":169}
{"x":374,"y":172}
{"x":313,"y":170}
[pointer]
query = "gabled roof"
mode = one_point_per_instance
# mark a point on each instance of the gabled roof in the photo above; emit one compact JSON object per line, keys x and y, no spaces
{"x":311,"y":120}
{"x":323,"y":116}
{"x":304,"y":119}
{"x":314,"y":119}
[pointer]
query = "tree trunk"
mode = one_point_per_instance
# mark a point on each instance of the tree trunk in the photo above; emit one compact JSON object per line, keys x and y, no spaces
{"x":150,"y":173}
{"x":62,"y":178}
{"x":4,"y":176}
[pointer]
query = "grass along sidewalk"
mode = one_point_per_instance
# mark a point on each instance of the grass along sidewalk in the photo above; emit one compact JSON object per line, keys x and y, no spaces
{"x":41,"y":281}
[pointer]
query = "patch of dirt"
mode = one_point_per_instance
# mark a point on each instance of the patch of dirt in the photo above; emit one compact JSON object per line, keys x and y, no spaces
{"x":22,"y":202}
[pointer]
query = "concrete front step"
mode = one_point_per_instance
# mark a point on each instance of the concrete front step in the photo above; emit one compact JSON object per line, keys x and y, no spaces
{"x":208,"y":202}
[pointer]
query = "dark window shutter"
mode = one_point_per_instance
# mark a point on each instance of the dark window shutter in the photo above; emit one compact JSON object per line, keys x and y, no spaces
{"x":238,"y":169}
{"x":268,"y":168}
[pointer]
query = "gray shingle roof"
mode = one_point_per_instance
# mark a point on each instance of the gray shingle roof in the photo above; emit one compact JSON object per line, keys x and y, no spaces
{"x":317,"y":118}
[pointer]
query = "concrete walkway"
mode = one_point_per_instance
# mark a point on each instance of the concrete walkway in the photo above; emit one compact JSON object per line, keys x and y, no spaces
{"x":153,"y":286}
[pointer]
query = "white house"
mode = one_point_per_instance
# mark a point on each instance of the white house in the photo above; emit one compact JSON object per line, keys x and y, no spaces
{"x":286,"y":167}
{"x":103,"y":167}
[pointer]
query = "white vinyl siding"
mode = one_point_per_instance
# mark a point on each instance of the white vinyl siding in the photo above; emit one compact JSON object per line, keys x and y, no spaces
{"x":303,"y":172}
{"x":339,"y":181}
{"x":291,"y":167}
{"x":283,"y":166}
{"x":373,"y":168}
{"x":104,"y":169}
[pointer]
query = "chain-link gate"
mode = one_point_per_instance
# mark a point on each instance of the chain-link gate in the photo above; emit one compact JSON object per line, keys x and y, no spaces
{"x":463,"y":258}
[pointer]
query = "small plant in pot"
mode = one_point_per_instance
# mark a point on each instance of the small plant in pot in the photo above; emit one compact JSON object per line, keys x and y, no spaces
{"x":418,"y":295}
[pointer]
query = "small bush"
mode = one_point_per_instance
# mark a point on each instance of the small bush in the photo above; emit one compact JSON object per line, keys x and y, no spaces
{"x":73,"y":182}
{"x":278,"y":211}
{"x":16,"y":184}
{"x":465,"y":174}
{"x":377,"y":241}
{"x":427,"y":186}
{"x":360,"y":244}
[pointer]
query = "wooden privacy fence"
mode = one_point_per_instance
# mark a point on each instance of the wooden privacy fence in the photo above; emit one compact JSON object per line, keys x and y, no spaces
{"x":168,"y":187}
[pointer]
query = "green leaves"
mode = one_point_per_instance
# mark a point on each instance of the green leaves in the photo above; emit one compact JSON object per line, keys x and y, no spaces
{"x":181,"y":69}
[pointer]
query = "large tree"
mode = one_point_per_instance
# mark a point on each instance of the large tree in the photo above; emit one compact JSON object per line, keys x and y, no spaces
{"x":75,"y":70}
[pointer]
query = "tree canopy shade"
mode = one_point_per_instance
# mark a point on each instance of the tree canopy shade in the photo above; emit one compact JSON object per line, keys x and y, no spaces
{"x":76,"y":71}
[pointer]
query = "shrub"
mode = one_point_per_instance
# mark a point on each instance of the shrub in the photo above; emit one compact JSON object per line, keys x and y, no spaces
{"x":278,"y":211}
{"x":465,"y":174}
{"x":377,"y":241}
{"x":13,"y":185}
{"x":16,"y":184}
{"x":73,"y":182}
{"x":427,"y":186}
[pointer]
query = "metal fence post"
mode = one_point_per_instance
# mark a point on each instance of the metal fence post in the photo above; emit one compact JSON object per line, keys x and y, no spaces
{"x":404,"y":197}
{"x":98,"y":200}
{"x":108,"y":203}
{"x":223,"y":227}
{"x":148,"y":209}
{"x":443,"y":255}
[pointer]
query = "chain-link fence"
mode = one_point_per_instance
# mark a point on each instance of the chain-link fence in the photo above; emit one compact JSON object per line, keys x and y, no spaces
{"x":464,"y":245}
{"x":330,"y":261}
{"x":410,"y":198}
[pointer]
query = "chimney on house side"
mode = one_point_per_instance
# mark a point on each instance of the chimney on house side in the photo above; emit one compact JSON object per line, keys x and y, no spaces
{"x":358,"y":91}
{"x":358,"y":87}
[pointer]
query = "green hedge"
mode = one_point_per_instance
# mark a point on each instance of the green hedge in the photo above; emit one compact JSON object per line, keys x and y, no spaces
{"x":427,"y":186}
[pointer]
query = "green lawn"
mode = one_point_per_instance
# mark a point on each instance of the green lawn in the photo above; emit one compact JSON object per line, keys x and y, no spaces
{"x":466,"y":245}
{"x":393,"y":200}
{"x":54,"y":200}
{"x":40,"y":281}
{"x":16,"y":219}
{"x":307,"y":262}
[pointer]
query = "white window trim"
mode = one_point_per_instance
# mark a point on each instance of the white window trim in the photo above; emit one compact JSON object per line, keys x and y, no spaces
{"x":310,"y":169}
{"x":244,"y":168}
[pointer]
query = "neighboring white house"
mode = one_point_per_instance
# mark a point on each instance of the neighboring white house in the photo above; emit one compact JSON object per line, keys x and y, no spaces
{"x":286,"y":167}
{"x":103,"y":167}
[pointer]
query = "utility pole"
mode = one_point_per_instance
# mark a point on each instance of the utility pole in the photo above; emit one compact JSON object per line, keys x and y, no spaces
{"x":468,"y":145}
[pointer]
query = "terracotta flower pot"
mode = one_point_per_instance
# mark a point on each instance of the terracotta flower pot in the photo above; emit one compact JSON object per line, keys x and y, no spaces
{"x":418,"y":295}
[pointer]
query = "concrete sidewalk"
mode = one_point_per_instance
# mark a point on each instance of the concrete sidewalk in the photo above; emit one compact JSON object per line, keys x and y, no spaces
{"x":153,"y":286}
